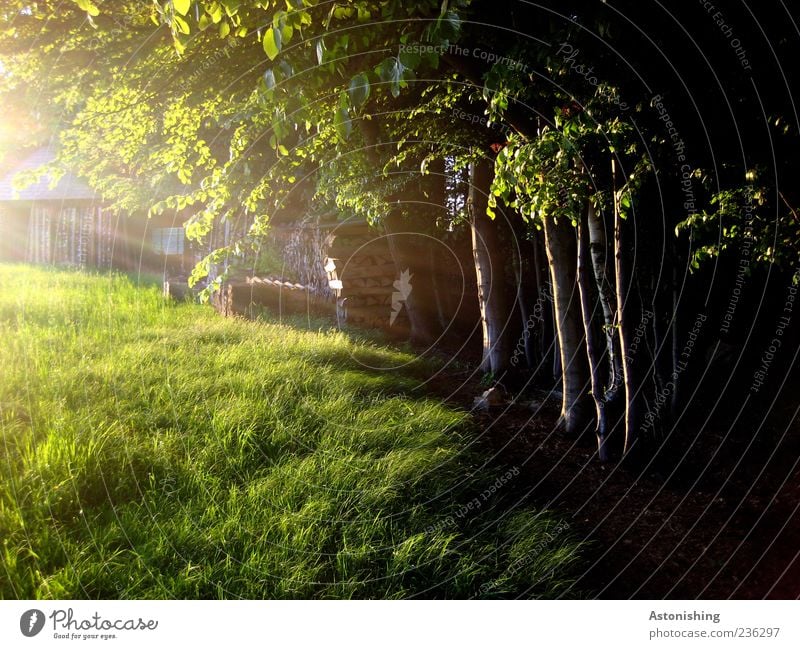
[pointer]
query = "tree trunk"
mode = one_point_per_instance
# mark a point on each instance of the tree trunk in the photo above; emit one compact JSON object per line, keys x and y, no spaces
{"x":489,"y":265}
{"x":444,"y":310}
{"x":626,"y":309}
{"x":526,"y":352}
{"x":603,"y":270}
{"x":677,"y":391}
{"x":543,"y":311}
{"x":560,"y":242}
{"x":434,"y":190}
{"x":594,"y":351}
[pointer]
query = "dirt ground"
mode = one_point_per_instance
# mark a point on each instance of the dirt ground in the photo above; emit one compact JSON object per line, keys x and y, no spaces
{"x":719,"y":520}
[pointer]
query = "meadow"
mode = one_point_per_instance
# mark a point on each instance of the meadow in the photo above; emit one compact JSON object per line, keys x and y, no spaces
{"x":153,"y":449}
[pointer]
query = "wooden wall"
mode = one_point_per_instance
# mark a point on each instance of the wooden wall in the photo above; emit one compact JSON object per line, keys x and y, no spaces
{"x":74,"y":234}
{"x":70,"y":235}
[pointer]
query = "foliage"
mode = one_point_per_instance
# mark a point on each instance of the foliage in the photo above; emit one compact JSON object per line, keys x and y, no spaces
{"x":747,"y":220}
{"x":241,"y":112}
{"x":557,"y":173}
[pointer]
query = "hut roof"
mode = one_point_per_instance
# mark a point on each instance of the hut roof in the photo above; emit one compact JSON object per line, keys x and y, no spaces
{"x":68,"y":188}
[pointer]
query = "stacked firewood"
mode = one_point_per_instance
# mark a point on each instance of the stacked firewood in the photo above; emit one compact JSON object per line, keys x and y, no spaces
{"x":246,"y":297}
{"x":362,"y":275}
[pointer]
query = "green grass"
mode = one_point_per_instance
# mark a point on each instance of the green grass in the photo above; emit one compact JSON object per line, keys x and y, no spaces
{"x":153,"y":450}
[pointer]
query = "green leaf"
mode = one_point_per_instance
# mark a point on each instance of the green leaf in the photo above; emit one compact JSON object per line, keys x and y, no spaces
{"x":215,"y":11}
{"x":286,"y":69}
{"x":358,"y":89}
{"x":410,"y":60}
{"x":181,"y":24}
{"x":321,"y":49}
{"x":341,"y":13}
{"x":453,"y":21}
{"x":391,"y":70}
{"x":224,"y":29}
{"x":182,"y":6}
{"x":88,"y":6}
{"x":272,"y":43}
{"x":342,"y":124}
{"x":269,"y":79}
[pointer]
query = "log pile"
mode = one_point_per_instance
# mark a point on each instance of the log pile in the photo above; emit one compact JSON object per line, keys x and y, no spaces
{"x":348,"y":270}
{"x":245,"y":297}
{"x":361,"y":274}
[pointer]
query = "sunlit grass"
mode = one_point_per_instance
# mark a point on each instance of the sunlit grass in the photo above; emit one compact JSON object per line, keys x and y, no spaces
{"x":151,"y":450}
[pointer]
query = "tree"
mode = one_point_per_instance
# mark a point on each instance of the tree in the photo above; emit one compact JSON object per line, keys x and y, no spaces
{"x":248,"y":112}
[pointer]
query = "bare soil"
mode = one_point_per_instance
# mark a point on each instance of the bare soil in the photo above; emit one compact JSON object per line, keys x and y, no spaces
{"x":718,"y":519}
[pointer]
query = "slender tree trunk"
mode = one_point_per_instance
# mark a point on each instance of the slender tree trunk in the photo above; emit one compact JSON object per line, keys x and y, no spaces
{"x":526,"y":285}
{"x":444,"y":310}
{"x":676,"y":379}
{"x":434,"y":190}
{"x":659,"y":346}
{"x":603,"y":267}
{"x":627,"y":326}
{"x":527,"y":293}
{"x":594,"y":350}
{"x":489,"y":264}
{"x":547,"y":340}
{"x":560,"y":242}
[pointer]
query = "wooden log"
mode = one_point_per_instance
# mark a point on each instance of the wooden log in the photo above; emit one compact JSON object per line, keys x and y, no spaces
{"x":349,"y":239}
{"x":383,"y":270}
{"x":383,"y":258}
{"x":350,"y":245}
{"x":350,"y":248}
{"x":369,"y":300}
{"x":348,"y":290}
{"x":350,"y":229}
{"x":244,"y":298}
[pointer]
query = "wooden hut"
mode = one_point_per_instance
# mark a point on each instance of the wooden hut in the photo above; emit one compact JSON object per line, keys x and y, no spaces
{"x":64,"y":225}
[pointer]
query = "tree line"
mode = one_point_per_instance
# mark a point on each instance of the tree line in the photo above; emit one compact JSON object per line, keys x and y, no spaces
{"x":620,"y":168}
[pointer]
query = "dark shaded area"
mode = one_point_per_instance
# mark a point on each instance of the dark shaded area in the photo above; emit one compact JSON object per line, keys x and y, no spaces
{"x":718,"y":521}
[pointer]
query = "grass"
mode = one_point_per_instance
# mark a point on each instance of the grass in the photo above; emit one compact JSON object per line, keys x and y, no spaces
{"x":155,"y":450}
